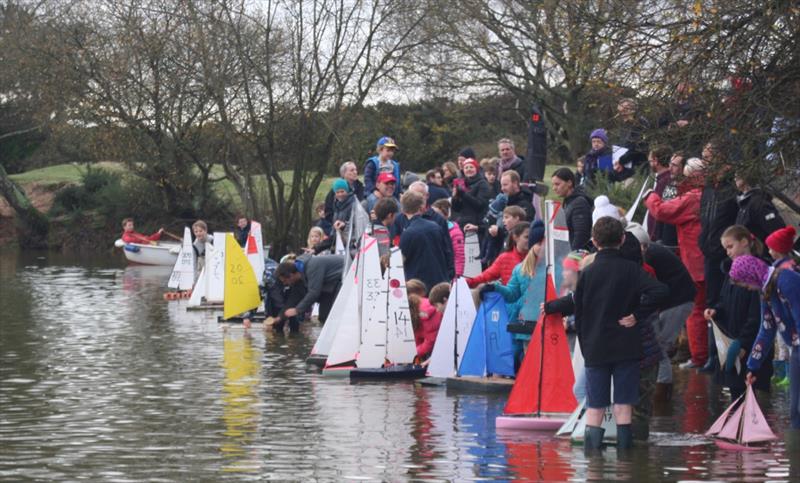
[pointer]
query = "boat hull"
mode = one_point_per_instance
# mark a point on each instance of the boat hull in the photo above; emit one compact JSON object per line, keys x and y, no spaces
{"x":403,"y":371}
{"x":480,"y":384}
{"x":162,"y":254}
{"x":338,"y":371}
{"x":731,"y":446}
{"x":544,"y":422}
{"x":317,"y":360}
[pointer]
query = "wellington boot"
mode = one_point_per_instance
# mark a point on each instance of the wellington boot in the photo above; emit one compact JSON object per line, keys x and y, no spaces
{"x":624,"y":437}
{"x":593,"y":440}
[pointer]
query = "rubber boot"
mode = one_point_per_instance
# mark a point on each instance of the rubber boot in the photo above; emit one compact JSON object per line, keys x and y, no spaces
{"x":593,"y":439}
{"x":624,"y":437}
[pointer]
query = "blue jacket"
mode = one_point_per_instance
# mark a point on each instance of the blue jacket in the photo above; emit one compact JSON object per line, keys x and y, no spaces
{"x":371,"y":171}
{"x":423,"y":245}
{"x":514,"y":292}
{"x":781,"y":313}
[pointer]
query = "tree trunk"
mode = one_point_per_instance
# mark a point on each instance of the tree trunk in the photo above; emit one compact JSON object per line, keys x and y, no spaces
{"x":34,"y":225}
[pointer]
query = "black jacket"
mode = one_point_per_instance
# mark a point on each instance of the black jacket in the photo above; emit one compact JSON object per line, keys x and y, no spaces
{"x":671,"y":272}
{"x":472,"y":203}
{"x":423,"y":246}
{"x":436,"y":192}
{"x":609,"y":289}
{"x":358,"y":189}
{"x":758,"y":214}
{"x":578,"y":213}
{"x":718,"y":211}
{"x":523,"y":199}
{"x":401,"y":222}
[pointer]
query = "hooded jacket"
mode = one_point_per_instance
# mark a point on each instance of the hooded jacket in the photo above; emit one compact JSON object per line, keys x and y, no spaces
{"x":472,"y":203}
{"x":578,"y":213}
{"x":758,"y":214}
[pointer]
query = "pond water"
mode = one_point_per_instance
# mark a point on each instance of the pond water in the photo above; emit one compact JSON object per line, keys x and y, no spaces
{"x":103,"y":380}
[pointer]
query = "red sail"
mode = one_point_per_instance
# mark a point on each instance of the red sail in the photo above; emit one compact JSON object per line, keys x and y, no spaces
{"x":251,"y":245}
{"x":550,"y":372}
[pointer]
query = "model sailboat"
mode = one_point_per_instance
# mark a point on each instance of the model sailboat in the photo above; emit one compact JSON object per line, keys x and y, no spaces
{"x":209,"y":291}
{"x":451,"y":341}
{"x":542,"y":397}
{"x":472,"y":255}
{"x":388,"y":348}
{"x":741,"y":425}
{"x":241,"y":286}
{"x":182,"y":277}
{"x":343,"y":307}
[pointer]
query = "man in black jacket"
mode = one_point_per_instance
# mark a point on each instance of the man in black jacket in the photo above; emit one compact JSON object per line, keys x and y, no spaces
{"x":612,"y":295}
{"x":577,"y":208}
{"x":756,"y":211}
{"x":422,"y":244}
{"x":321,"y":275}
{"x":517,"y":196}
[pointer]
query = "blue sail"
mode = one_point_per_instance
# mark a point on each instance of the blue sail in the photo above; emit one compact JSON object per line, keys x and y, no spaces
{"x":490,"y":347}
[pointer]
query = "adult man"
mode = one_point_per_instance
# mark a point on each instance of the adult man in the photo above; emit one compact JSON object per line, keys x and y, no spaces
{"x":321,"y":275}
{"x":509,"y":159}
{"x":422,"y":243}
{"x":659,"y":159}
{"x":756,"y":211}
{"x":577,"y":208}
{"x":349,"y":172}
{"x":629,"y":133}
{"x":517,"y":196}
{"x":436,"y":189}
{"x":401,"y":222}
{"x":383,"y":162}
{"x":385,"y":187}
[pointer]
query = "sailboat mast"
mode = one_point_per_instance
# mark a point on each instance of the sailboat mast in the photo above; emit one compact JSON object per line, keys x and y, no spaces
{"x":455,"y":338}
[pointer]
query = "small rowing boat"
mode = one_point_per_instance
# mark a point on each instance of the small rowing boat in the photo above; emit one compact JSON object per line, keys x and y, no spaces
{"x":142,"y":254}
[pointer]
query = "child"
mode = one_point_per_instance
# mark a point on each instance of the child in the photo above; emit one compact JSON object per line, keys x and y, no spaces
{"x":456,"y":235}
{"x":433,"y":308}
{"x":493,"y":244}
{"x":322,"y":222}
{"x":130,"y":235}
{"x":579,"y":166}
{"x":201,"y":238}
{"x":516,"y":250}
{"x":780,"y":312}
{"x":315,"y":236}
{"x":242,"y":230}
{"x":779,"y":243}
{"x":612,"y":295}
{"x":738,"y":313}
{"x":489,"y":167}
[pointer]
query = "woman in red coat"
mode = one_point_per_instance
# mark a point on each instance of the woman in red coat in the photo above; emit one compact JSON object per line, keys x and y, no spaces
{"x":684,"y":212}
{"x":503,"y":265}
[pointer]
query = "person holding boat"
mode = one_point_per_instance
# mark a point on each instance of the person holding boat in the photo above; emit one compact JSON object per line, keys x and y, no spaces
{"x":130,"y":235}
{"x":321,"y":275}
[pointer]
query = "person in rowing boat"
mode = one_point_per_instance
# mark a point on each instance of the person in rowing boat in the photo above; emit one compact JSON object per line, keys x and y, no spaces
{"x":130,"y":235}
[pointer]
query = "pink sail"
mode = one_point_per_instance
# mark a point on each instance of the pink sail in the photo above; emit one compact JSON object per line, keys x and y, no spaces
{"x":731,"y":428}
{"x":720,"y":422}
{"x":755,"y":427}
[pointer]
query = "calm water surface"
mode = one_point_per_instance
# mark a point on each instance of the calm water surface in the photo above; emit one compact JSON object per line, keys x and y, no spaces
{"x":101,"y":379}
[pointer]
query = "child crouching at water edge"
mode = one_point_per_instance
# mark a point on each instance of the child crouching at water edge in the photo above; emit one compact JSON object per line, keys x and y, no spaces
{"x":611,"y":296}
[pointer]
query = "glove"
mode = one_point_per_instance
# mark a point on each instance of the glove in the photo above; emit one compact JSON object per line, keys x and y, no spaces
{"x":489,"y":287}
{"x":733,"y":354}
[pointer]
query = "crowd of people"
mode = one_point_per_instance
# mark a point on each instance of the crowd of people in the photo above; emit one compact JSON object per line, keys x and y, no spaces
{"x":713,"y":253}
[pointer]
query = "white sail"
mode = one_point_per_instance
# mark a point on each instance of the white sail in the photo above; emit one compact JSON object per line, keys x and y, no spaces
{"x":254,"y":249}
{"x":372,"y":351}
{"x":340,"y":311}
{"x":215,"y":271}
{"x":347,"y":340}
{"x":472,"y":255}
{"x":182,"y":276}
{"x":453,"y":332}
{"x":199,"y":290}
{"x":401,"y":348}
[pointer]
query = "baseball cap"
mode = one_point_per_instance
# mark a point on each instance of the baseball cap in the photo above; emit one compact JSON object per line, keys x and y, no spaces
{"x":386,"y":178}
{"x":386,"y":142}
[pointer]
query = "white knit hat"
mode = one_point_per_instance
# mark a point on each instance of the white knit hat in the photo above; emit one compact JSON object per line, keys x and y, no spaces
{"x":603,"y":207}
{"x":693,"y":167}
{"x":639,"y":232}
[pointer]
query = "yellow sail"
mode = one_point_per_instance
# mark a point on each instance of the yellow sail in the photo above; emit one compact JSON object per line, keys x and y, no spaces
{"x":241,"y":287}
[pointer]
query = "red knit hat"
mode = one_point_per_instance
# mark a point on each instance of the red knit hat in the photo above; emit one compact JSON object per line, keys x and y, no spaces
{"x":781,"y":240}
{"x":472,"y":162}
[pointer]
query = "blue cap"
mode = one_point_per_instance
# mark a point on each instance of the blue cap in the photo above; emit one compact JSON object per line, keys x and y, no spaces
{"x":386,"y":142}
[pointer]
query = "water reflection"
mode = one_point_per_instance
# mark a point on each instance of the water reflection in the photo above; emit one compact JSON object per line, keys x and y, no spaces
{"x":101,"y":379}
{"x":240,"y":401}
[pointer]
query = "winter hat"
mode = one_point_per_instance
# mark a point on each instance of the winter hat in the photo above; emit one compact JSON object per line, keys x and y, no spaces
{"x":573,"y":260}
{"x":536,"y":232}
{"x":472,"y":162}
{"x":693,"y":167}
{"x":599,"y":134}
{"x":603,"y":207}
{"x":639,"y":232}
{"x":749,"y":270}
{"x":385,"y":142}
{"x":781,"y":240}
{"x":467,"y":153}
{"x":340,"y":184}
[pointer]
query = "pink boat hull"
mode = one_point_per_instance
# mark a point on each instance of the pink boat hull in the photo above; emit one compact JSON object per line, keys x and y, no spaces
{"x":727,"y":445}
{"x":532,"y":423}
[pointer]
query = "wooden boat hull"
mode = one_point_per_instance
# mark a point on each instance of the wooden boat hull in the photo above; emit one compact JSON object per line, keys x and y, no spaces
{"x":544,"y":422}
{"x":480,"y":384}
{"x":317,"y":360}
{"x":162,"y":254}
{"x":401,"y":371}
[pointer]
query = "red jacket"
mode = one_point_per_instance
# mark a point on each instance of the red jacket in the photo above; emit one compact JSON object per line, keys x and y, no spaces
{"x":684,"y":213}
{"x":136,"y":237}
{"x":500,"y":269}
{"x":457,"y":237}
{"x":430,"y":320}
